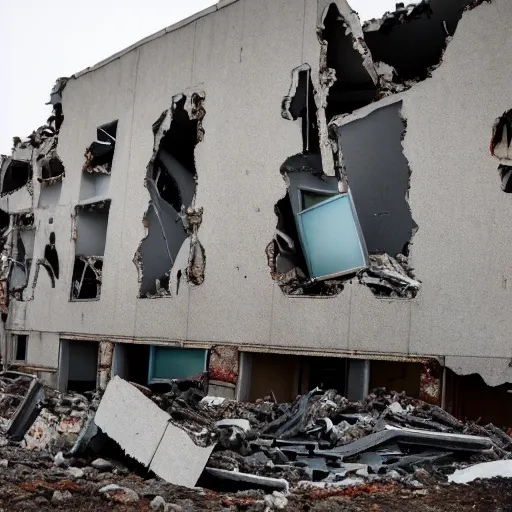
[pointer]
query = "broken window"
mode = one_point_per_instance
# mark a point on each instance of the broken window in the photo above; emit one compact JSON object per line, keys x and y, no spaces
{"x":16,"y":174}
{"x":86,"y":280}
{"x":90,"y":234}
{"x":412,"y":39}
{"x":20,"y":347}
{"x":500,"y":148}
{"x":171,"y":181}
{"x":100,"y":154}
{"x":51,"y":176}
{"x":98,"y":163}
{"x":354,"y":85}
{"x":318,"y":238}
{"x":22,"y":250}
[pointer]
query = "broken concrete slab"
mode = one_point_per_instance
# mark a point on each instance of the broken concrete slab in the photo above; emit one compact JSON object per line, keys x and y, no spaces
{"x":178,"y":460}
{"x":27,"y":412}
{"x":253,"y":481}
{"x":144,"y":431}
{"x":132,"y":420}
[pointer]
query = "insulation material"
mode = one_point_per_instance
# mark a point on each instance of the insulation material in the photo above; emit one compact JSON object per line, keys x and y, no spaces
{"x":224,"y":363}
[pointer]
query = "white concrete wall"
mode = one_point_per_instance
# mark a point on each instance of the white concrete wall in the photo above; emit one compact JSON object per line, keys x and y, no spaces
{"x":242,"y":57}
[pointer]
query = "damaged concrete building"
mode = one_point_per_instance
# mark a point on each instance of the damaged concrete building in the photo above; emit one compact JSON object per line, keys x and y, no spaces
{"x":275,"y":197}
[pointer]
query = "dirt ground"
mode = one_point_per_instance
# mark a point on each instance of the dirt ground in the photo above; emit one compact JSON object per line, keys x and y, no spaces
{"x":28,"y":481}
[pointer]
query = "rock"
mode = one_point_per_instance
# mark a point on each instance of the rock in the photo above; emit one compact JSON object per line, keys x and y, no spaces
{"x":157,"y":504}
{"x":4,"y":463}
{"x":395,"y":475}
{"x":75,"y":472}
{"x":61,"y":496}
{"x":117,"y":494}
{"x":396,"y":408}
{"x":276,"y":500}
{"x":102,"y":465}
{"x":60,"y":460}
{"x":172,"y":507}
{"x":362,"y":472}
{"x":421,"y":473}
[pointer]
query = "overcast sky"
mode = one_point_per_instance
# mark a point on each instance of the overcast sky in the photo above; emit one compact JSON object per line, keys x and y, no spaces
{"x":41,"y":41}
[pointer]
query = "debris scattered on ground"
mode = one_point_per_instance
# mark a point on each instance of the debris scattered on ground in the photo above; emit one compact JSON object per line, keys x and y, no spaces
{"x":265,"y":454}
{"x":497,"y":468}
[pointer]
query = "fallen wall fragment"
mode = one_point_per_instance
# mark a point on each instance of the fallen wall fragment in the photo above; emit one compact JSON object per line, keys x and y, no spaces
{"x":143,"y":430}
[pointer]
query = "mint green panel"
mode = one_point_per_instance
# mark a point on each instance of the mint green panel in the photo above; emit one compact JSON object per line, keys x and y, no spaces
{"x":175,"y":363}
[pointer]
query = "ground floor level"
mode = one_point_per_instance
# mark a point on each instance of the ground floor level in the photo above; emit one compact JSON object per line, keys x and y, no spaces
{"x":83,"y":363}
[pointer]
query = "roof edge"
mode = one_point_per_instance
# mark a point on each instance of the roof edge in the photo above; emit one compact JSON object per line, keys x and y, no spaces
{"x":180,"y":24}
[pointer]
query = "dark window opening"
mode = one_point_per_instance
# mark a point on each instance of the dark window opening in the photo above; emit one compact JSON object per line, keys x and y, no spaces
{"x":4,"y":220}
{"x":17,"y":175}
{"x":171,"y":182}
{"x":167,"y":186}
{"x":51,"y":256}
{"x":52,"y":168}
{"x":505,"y":175}
{"x":181,"y":138}
{"x":81,"y":364}
{"x":131,"y":362}
{"x":100,"y":154}
{"x":414,"y":47}
{"x":354,"y":87}
{"x":86,"y":280}
{"x":302,"y":105}
{"x":21,"y":341}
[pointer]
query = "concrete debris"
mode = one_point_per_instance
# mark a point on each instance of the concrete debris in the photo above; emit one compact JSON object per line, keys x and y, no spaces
{"x":390,"y":277}
{"x":60,"y":497}
{"x":403,"y":14}
{"x":252,"y":481}
{"x":121,"y":495}
{"x":321,"y":441}
{"x":494,"y":469}
{"x":126,"y":415}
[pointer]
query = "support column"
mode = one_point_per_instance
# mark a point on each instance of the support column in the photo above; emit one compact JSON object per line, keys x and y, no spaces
{"x":358,"y":379}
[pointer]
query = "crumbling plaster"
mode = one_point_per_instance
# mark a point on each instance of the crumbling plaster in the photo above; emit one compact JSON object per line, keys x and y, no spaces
{"x":242,"y":55}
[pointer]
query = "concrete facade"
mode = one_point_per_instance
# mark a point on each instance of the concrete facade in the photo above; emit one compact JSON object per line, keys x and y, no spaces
{"x":241,"y":55}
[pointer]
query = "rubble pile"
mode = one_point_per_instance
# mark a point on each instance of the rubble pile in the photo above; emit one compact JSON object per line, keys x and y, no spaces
{"x":325,"y":438}
{"x":321,"y":441}
{"x":13,"y":388}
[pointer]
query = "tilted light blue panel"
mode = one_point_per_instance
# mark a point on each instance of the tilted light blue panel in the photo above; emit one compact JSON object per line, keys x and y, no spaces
{"x":175,"y":363}
{"x":331,"y":237}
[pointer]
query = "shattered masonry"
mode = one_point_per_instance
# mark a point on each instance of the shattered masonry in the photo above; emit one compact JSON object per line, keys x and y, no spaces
{"x":37,"y":155}
{"x":172,"y":221}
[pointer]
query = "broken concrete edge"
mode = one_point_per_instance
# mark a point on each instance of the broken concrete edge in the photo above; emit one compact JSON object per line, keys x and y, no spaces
{"x":275,"y":484}
{"x":147,"y":433}
{"x":27,"y":411}
{"x":191,"y":102}
{"x":171,"y":28}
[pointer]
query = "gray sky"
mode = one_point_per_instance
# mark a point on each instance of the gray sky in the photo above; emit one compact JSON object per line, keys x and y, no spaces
{"x":41,"y":41}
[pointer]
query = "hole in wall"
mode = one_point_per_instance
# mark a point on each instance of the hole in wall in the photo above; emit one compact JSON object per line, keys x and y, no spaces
{"x":16,"y":175}
{"x":171,"y":180}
